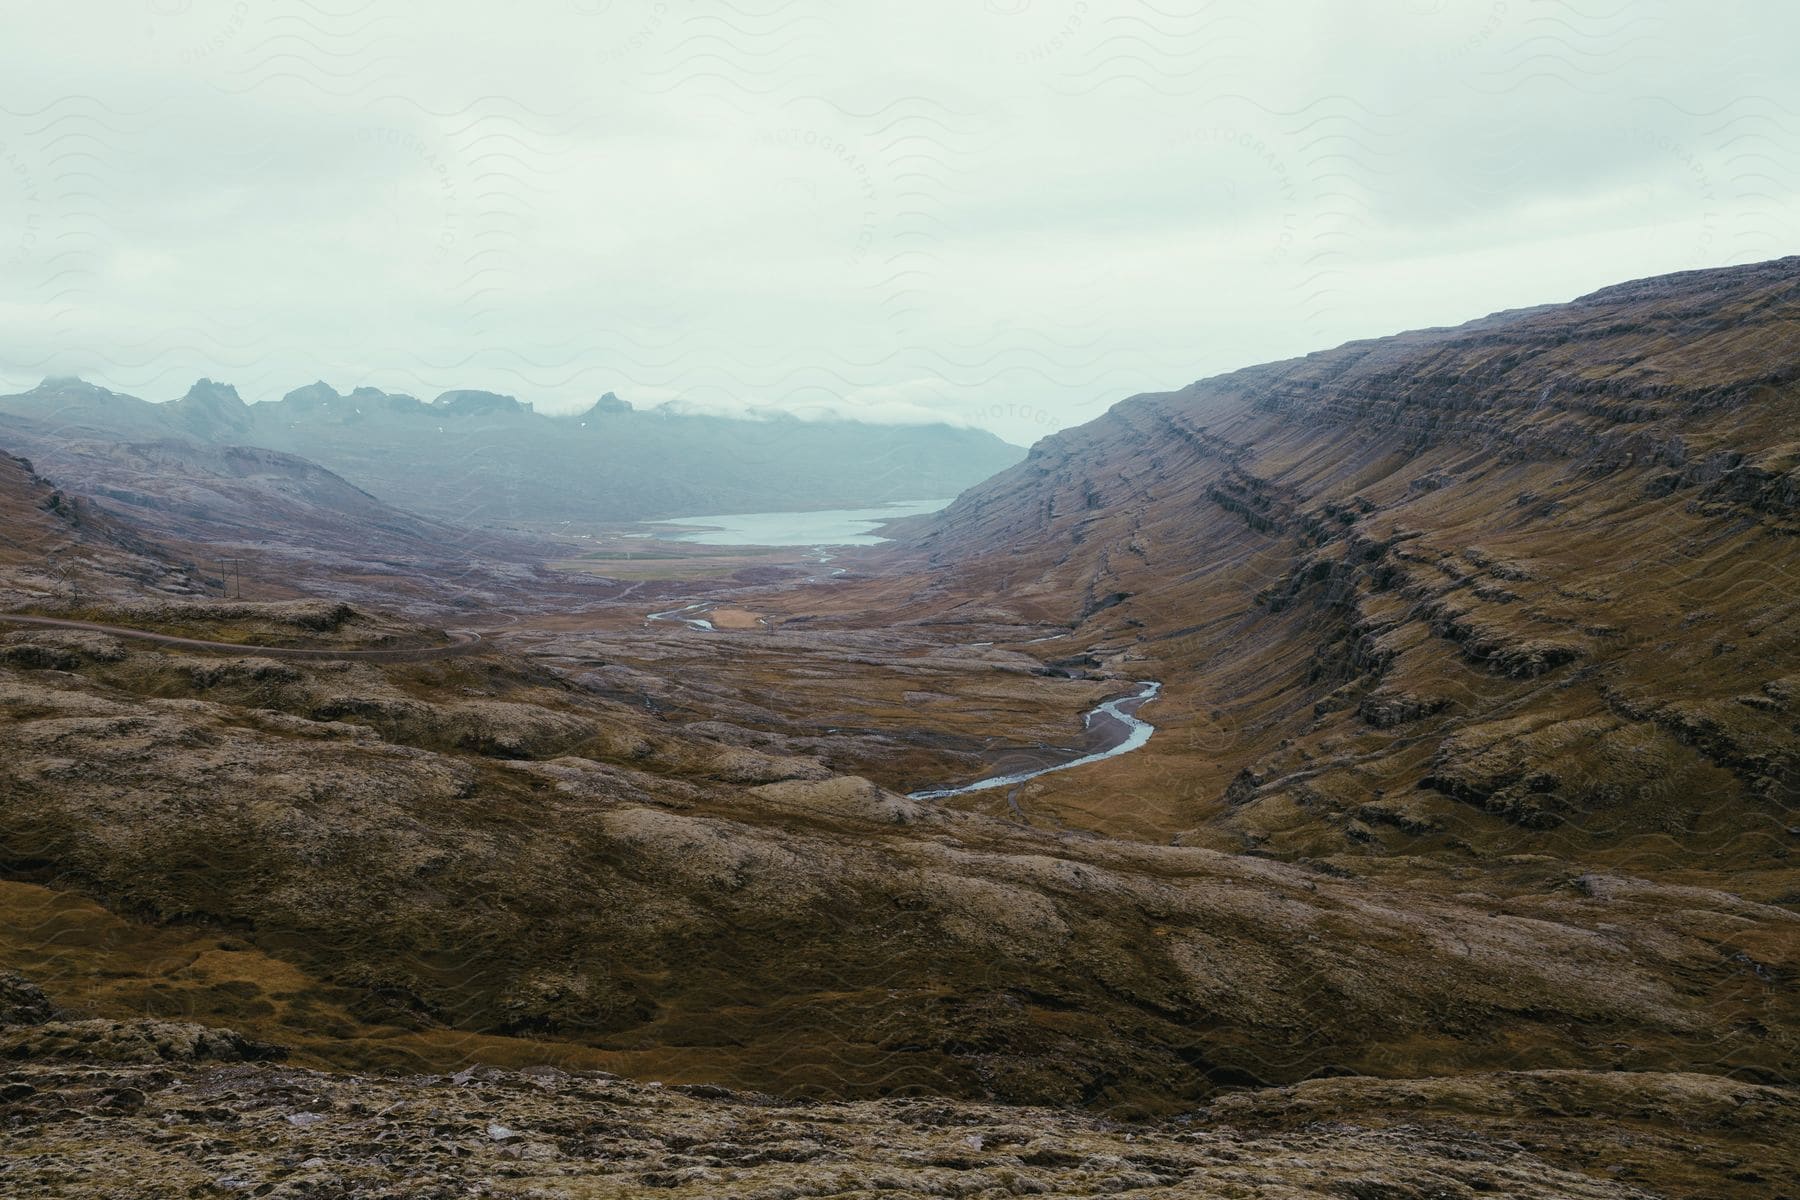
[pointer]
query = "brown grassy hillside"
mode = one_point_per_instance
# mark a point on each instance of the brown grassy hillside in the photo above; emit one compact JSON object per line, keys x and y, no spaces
{"x":1526,"y":585}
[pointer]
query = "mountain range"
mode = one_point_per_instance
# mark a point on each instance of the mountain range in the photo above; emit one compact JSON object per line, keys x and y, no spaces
{"x":483,"y":459}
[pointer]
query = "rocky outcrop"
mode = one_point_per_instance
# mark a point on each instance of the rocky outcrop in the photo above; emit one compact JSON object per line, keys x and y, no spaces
{"x":22,"y":1002}
{"x":131,"y":1042}
{"x":31,"y":1027}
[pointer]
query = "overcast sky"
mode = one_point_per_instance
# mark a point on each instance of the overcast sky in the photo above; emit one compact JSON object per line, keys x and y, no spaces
{"x":1009,"y":213}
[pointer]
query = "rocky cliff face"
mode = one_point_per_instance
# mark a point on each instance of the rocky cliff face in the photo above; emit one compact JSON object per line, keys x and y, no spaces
{"x":1525,"y":583}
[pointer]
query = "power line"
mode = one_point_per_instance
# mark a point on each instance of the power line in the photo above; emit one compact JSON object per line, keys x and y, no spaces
{"x":232,"y":568}
{"x":65,"y":572}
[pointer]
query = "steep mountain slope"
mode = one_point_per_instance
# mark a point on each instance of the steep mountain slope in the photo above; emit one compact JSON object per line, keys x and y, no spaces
{"x":240,"y":495}
{"x":480,"y":458}
{"x":53,"y":544}
{"x":1525,"y":584}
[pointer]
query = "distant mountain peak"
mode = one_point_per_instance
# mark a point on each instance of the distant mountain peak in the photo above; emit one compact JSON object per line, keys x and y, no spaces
{"x":607,"y":405}
{"x":210,"y":390}
{"x":211,"y":410}
{"x":320,"y":400}
{"x":64,"y":384}
{"x":473,"y":402}
{"x":316,"y":392}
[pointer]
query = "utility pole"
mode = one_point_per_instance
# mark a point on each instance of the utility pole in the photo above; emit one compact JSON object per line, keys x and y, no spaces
{"x":231,"y":568}
{"x":65,"y":573}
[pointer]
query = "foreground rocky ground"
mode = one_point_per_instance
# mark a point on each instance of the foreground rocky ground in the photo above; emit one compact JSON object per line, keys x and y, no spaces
{"x":143,"y":1108}
{"x":257,"y":1130}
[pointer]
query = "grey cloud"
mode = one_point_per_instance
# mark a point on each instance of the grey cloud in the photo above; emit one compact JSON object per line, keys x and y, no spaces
{"x":1007,"y":213}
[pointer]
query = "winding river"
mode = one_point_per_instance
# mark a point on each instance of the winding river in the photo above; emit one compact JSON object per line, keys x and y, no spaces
{"x":1136,"y":734}
{"x":674,"y":614}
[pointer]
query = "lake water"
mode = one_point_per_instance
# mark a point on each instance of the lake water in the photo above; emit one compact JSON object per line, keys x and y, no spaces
{"x":830,"y":527}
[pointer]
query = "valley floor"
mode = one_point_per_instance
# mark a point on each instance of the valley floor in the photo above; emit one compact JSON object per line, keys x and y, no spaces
{"x":98,"y":1100}
{"x":415,"y":881}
